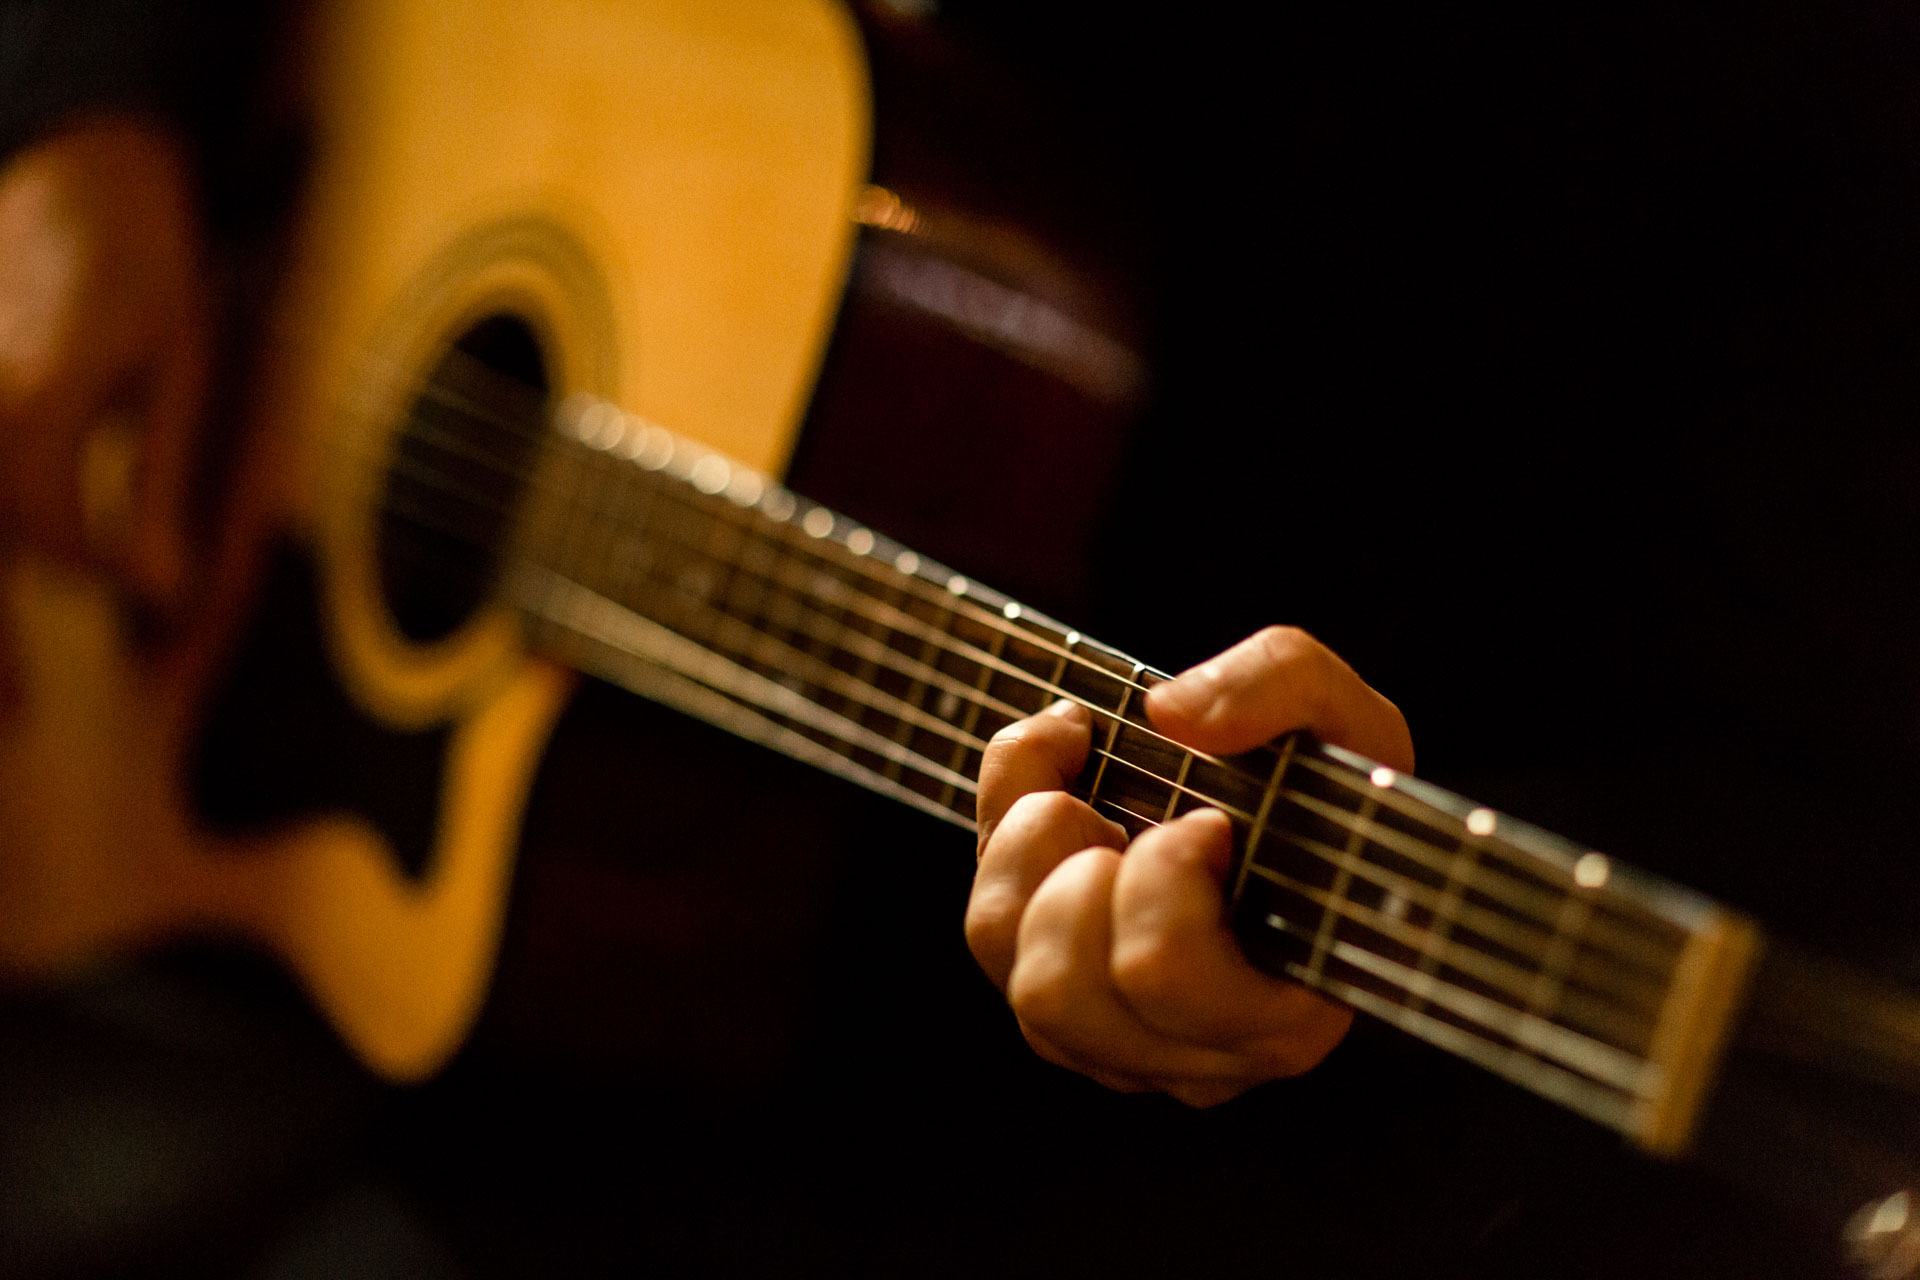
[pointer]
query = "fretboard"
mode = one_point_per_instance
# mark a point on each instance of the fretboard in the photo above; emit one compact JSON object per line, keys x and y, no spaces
{"x":657,"y":564}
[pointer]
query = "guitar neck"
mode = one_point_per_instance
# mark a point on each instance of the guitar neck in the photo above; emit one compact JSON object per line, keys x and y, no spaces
{"x":652,"y":562}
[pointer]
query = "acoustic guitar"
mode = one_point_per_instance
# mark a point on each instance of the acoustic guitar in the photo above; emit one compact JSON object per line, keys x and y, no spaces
{"x":534,"y":364}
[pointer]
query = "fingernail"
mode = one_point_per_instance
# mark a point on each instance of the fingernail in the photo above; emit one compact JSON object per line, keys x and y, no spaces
{"x":1186,"y":696}
{"x":1215,"y":818}
{"x":1215,"y":829}
{"x":1066,"y":709}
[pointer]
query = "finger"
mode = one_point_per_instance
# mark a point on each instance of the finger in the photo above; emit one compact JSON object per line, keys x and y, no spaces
{"x":1062,"y":991}
{"x":1098,"y":1072}
{"x":1042,"y":830}
{"x":1199,"y":1092}
{"x":1274,"y":681}
{"x":1177,"y":966}
{"x":1041,"y":753}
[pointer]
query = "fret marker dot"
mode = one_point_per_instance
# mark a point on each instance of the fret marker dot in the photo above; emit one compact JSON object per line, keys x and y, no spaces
{"x":1889,"y":1215}
{"x":711,"y":473}
{"x":778,"y":504}
{"x":746,"y":488}
{"x":1383,"y":777}
{"x":949,"y":703}
{"x":1073,"y":638}
{"x":907,"y":563}
{"x":860,"y":542}
{"x":1481,"y":822}
{"x":1394,"y":908}
{"x":1012,"y":611}
{"x":657,"y":451}
{"x":635,"y":441}
{"x":1592,"y":870}
{"x":818,"y":522}
{"x":957,"y":585}
{"x":599,"y":425}
{"x":1275,"y":921}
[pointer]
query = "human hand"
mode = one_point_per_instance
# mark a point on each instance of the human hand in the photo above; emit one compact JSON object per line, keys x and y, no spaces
{"x":1122,"y":967}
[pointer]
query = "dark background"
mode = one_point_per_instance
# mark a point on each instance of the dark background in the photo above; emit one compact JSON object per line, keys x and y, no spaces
{"x":1555,"y":367}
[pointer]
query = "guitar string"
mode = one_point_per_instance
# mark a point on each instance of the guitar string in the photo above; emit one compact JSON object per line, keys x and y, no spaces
{"x":901,"y":621}
{"x":1552,"y":878}
{"x":879,"y":612}
{"x":1497,"y":976}
{"x":836,"y":634}
{"x":826,"y":676}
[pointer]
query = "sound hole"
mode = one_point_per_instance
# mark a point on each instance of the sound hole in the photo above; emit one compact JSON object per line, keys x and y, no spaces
{"x":460,"y":464}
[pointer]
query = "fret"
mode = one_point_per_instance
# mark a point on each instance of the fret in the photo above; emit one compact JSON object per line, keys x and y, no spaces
{"x":1446,"y":913}
{"x":723,"y":541}
{"x":556,"y":473}
{"x":1179,"y":786}
{"x":575,"y":520}
{"x":596,"y":618}
{"x":972,"y":718}
{"x":797,"y":616}
{"x":1058,"y":677}
{"x":1258,"y":828}
{"x":599,"y":530}
{"x":916,"y":688}
{"x":866,"y":669}
{"x":1091,"y":680}
{"x":634,"y":562}
{"x":1113,"y":731}
{"x":1342,"y":878}
{"x":685,"y":572}
{"x":691,"y":584}
{"x":1548,"y":983}
{"x":748,"y":642}
{"x":624,"y":505}
{"x":827,"y":592}
{"x":1031,"y":658}
{"x":1486,"y":1016}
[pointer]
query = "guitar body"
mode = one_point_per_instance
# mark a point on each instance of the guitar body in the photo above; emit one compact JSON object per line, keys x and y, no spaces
{"x":652,"y":203}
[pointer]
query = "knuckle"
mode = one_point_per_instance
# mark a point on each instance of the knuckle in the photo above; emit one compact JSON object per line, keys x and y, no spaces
{"x":1009,"y":737}
{"x":1045,"y":810}
{"x":1301,"y":1048}
{"x":1284,"y":645}
{"x":1151,"y":973}
{"x":992,"y":919}
{"x":1041,"y":997}
{"x":1038,"y":1042}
